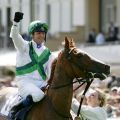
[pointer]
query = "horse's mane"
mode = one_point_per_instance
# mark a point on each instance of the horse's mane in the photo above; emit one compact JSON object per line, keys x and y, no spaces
{"x":52,"y":71}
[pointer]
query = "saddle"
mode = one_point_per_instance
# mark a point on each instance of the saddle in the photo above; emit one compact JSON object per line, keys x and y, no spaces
{"x":13,"y":99}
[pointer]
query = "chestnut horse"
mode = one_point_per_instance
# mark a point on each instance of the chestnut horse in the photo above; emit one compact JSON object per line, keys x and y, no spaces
{"x":71,"y":63}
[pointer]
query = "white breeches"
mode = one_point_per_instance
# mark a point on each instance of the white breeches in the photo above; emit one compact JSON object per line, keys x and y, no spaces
{"x":28,"y":87}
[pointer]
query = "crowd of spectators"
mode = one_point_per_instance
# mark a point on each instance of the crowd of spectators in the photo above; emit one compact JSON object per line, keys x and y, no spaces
{"x":110,"y":88}
{"x":7,"y":76}
{"x":102,"y":37}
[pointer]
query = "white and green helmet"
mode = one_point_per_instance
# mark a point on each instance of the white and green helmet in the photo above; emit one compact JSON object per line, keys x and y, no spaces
{"x":37,"y":26}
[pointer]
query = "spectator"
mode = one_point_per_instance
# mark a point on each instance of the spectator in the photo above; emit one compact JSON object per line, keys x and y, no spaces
{"x":100,"y":38}
{"x":112,"y":32}
{"x":6,"y":82}
{"x":113,"y":106}
{"x":118,"y":91}
{"x":112,"y":82}
{"x":94,"y":109}
{"x":114,"y":91}
{"x":91,"y":36}
{"x":7,"y":77}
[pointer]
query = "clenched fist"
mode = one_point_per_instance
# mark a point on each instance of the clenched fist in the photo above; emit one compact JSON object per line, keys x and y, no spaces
{"x":18,"y":16}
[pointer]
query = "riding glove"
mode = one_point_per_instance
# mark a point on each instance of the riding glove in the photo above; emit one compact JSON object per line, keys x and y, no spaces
{"x":18,"y":16}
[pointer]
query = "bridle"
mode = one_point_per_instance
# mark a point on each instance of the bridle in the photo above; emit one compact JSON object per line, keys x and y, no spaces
{"x":88,"y":74}
{"x":88,"y":79}
{"x":68,"y":57}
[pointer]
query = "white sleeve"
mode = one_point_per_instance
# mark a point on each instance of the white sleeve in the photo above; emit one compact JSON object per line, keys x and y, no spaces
{"x":75,"y":105}
{"x":88,"y":111}
{"x":96,"y":113}
{"x":18,"y":41}
{"x":93,"y":113}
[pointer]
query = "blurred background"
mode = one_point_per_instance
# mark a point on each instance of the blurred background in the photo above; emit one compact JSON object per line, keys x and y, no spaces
{"x":93,"y":24}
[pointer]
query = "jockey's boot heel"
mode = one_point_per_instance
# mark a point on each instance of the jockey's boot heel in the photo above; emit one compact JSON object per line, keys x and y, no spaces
{"x":28,"y":101}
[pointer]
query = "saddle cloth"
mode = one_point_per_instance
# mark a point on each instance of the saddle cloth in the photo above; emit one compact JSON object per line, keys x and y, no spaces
{"x":11,"y":100}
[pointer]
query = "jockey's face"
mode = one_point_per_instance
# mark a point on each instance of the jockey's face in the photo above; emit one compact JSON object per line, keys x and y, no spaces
{"x":38,"y":37}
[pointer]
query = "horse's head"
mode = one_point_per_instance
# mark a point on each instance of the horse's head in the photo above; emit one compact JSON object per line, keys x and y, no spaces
{"x":78,"y":63}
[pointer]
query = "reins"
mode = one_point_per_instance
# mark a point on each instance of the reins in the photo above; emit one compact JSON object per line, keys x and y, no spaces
{"x":65,"y":85}
{"x":83,"y":95}
{"x":88,"y":81}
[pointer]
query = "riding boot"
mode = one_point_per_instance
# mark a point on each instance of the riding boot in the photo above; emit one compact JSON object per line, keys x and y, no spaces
{"x":28,"y":101}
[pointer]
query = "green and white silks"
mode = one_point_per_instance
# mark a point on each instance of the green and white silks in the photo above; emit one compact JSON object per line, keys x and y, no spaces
{"x":36,"y":63}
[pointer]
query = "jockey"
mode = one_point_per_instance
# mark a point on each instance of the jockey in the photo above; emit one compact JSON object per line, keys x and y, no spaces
{"x":33,"y":62}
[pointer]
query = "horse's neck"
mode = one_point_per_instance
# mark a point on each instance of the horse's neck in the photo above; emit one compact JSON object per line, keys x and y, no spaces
{"x":61,"y":98}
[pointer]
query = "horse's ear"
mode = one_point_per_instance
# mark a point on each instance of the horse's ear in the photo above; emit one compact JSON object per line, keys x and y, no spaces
{"x":72,"y":43}
{"x":67,"y":43}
